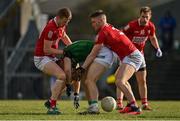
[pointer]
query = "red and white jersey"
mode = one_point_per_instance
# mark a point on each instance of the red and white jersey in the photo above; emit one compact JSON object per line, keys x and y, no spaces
{"x":139,"y":34}
{"x":51,"y":32}
{"x":116,"y":40}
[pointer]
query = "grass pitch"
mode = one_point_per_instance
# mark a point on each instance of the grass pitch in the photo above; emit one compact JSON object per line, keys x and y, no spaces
{"x":35,"y":110}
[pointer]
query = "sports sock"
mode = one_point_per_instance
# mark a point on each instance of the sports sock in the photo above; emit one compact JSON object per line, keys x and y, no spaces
{"x":119,"y":101}
{"x":92,"y":102}
{"x":144,"y":101}
{"x":53,"y":103}
{"x":132,"y":103}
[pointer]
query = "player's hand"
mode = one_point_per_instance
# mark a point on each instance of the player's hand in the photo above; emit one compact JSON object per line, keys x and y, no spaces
{"x":80,"y":72}
{"x":76,"y":101}
{"x":68,"y":89}
{"x":159,"y":53}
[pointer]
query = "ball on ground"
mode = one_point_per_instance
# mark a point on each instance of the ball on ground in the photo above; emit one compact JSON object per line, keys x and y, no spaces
{"x":108,"y":104}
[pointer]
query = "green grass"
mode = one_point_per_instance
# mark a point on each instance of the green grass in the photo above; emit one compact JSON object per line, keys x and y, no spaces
{"x":34,"y":110}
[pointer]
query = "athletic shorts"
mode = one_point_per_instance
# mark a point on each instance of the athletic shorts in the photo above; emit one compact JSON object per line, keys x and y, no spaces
{"x":105,"y":57}
{"x":41,"y":61}
{"x":136,"y":59}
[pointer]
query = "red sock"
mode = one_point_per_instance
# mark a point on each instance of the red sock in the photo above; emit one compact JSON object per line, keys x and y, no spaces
{"x":132,"y":103}
{"x":53,"y":103}
{"x":144,"y":101}
{"x":119,"y":101}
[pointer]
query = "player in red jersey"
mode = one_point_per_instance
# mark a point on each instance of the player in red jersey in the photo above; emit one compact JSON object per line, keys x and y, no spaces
{"x":139,"y":31}
{"x":46,"y":51}
{"x":130,"y":56}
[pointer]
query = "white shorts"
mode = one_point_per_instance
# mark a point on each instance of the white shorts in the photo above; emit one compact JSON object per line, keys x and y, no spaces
{"x":41,"y":61}
{"x":136,"y":59}
{"x":105,"y":57}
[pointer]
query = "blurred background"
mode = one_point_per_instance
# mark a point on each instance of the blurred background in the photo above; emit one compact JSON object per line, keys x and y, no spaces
{"x":21,"y":21}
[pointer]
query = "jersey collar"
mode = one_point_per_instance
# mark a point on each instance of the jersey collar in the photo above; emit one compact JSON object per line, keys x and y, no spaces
{"x":55,"y":21}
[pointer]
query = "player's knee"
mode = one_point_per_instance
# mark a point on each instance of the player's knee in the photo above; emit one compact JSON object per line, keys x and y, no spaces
{"x":120,"y":83}
{"x":87,"y":82}
{"x":61,"y":76}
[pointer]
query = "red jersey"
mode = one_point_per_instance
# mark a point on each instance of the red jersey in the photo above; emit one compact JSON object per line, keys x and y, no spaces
{"x":116,"y":40}
{"x":51,"y":32}
{"x":139,"y":34}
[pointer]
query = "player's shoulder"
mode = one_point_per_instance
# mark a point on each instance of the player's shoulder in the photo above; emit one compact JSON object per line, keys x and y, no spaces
{"x":133,"y":22}
{"x":107,"y":27}
{"x":51,"y":25}
{"x":104,"y":29}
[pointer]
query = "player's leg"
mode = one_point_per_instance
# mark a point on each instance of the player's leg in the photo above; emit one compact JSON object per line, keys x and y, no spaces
{"x":130,"y":64}
{"x":123,"y":75}
{"x":53,"y":69}
{"x":119,"y":95}
{"x":103,"y":61}
{"x":142,"y":85}
{"x":93,"y":74}
{"x":84,"y":85}
{"x":119,"y":99}
{"x":141,"y":79}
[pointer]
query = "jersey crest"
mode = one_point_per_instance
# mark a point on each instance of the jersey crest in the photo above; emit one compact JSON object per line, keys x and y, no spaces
{"x":50,"y":34}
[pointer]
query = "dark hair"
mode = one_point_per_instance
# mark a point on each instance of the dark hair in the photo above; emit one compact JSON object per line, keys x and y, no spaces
{"x":97,"y":13}
{"x":64,"y":12}
{"x":145,"y":9}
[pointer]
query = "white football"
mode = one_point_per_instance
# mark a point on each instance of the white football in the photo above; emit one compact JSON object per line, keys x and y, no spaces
{"x":108,"y":104}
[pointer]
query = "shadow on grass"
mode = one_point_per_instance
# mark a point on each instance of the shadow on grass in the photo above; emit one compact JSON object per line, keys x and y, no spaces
{"x":159,"y":117}
{"x":23,"y":114}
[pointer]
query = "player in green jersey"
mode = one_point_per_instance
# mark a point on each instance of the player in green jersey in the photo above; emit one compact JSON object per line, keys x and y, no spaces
{"x":78,"y":52}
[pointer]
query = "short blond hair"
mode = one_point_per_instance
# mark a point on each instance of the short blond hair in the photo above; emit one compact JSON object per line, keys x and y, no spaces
{"x":145,"y":9}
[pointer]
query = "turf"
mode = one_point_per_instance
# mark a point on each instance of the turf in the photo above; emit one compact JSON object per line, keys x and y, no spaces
{"x":35,"y":110}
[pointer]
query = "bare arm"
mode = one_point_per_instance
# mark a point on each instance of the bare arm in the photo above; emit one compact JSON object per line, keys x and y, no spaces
{"x":154,"y":42}
{"x":92,"y":55}
{"x":49,"y":50}
{"x":66,"y":39}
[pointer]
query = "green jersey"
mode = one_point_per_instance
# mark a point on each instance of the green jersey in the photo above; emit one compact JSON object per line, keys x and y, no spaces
{"x":79,"y":50}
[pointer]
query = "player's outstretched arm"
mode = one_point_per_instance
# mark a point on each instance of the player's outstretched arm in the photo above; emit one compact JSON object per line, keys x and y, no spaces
{"x":90,"y":58}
